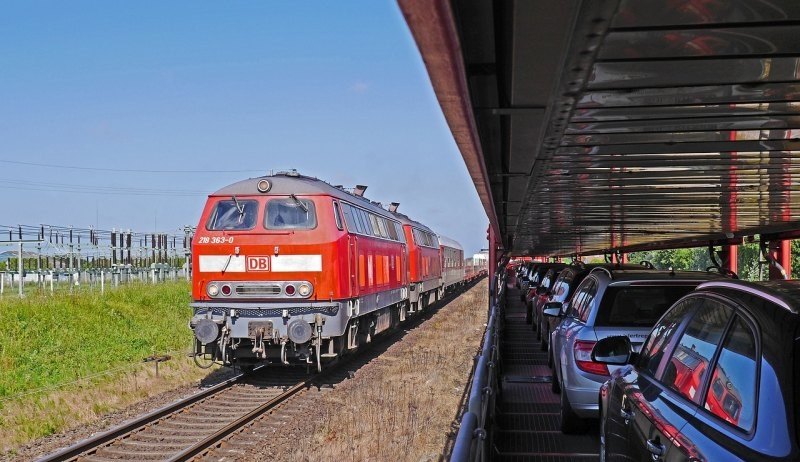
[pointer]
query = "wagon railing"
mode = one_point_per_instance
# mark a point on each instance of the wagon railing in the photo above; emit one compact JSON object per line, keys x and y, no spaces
{"x":472,"y":441}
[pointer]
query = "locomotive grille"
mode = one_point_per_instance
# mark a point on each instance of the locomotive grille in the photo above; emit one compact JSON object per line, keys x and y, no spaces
{"x":258,"y":289}
{"x":274,"y":312}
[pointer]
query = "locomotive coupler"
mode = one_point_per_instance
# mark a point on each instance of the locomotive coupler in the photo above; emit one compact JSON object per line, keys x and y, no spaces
{"x":283,"y":351}
{"x":224,"y":340}
{"x":258,"y":345}
{"x":319,"y":321}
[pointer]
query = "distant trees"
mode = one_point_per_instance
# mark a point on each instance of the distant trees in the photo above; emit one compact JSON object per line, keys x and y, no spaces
{"x":752,"y":265}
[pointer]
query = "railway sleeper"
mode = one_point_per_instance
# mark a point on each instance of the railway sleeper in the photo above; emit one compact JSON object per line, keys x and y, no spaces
{"x":97,"y":458}
{"x":190,"y":427}
{"x":139,"y":445}
{"x":158,"y":438}
{"x":133,"y":454}
{"x":187,"y":426}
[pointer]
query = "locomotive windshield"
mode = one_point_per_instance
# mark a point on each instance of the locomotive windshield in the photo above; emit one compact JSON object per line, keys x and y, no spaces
{"x":233,"y":214}
{"x":290,"y":213}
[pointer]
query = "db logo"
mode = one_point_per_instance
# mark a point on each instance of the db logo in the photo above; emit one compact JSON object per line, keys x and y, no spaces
{"x":257,"y":263}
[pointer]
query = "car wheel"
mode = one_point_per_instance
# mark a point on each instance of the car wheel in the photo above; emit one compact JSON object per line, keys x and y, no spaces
{"x":570,"y":422}
{"x":544,"y":336}
{"x":554,"y":385}
{"x":603,"y":449}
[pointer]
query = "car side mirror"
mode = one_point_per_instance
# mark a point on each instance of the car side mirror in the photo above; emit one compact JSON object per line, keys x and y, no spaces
{"x":541,"y":290}
{"x":614,"y":350}
{"x":552,"y":309}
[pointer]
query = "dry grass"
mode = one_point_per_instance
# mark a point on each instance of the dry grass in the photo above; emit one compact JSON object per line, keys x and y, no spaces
{"x":28,"y":417}
{"x":403,"y":405}
{"x":70,"y":358}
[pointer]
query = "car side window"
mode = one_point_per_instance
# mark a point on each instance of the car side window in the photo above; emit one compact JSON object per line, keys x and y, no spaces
{"x":557,"y":287}
{"x":688,"y":366}
{"x":546,"y":281}
{"x":577,"y":298}
{"x":587,"y":302}
{"x":582,"y":296}
{"x":561,"y":287}
{"x":660,"y":337}
{"x":731,"y":395}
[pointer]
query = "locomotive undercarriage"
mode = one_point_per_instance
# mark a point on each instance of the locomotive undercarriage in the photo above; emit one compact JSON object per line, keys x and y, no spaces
{"x":246,"y":335}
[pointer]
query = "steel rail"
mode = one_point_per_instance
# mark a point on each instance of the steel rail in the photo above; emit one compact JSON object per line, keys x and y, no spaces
{"x":212,"y":440}
{"x":94,"y":443}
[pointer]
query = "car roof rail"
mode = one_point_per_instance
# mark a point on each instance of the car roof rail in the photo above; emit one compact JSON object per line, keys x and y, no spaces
{"x":723,"y":271}
{"x":604,"y":269}
{"x":577,"y":262}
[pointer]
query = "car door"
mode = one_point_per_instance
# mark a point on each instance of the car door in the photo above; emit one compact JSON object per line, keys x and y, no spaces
{"x":573,"y":322}
{"x":724,"y":427}
{"x":557,"y":336}
{"x":663,"y":404}
{"x":630,"y":381}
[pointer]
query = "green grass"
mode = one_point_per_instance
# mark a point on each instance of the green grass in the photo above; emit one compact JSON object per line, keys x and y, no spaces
{"x":51,"y":340}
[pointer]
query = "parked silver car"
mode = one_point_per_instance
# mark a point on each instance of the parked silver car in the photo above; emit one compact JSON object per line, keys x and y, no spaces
{"x":607,"y":302}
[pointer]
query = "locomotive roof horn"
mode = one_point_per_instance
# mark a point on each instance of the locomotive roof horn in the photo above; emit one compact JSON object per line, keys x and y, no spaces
{"x":393,"y":206}
{"x":360,"y":190}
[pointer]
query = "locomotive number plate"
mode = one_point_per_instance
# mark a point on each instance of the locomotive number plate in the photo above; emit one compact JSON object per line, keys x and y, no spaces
{"x":253,"y":328}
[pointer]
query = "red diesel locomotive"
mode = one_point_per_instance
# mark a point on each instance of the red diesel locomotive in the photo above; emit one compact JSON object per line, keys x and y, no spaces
{"x":287,"y":268}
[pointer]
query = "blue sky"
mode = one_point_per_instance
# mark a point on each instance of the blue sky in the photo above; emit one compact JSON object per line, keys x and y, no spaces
{"x":336,"y":90}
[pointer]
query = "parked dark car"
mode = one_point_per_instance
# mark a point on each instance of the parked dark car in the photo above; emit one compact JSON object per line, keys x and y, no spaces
{"x":607,"y":303}
{"x":541,"y":289}
{"x":528,"y":272}
{"x":718,"y":379}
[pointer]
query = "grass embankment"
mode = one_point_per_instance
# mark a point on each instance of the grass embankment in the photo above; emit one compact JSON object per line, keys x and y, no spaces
{"x":50,"y":345}
{"x":403,"y":405}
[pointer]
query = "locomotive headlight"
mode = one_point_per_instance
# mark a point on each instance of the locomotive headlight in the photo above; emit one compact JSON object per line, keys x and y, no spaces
{"x":304,"y":289}
{"x":212,"y":290}
{"x":263,"y":186}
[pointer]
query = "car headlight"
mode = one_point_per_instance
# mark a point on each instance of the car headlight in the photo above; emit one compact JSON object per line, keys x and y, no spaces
{"x":304,"y":289}
{"x":212,"y":290}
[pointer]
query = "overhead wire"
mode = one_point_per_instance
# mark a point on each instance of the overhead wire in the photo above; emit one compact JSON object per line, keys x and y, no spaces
{"x":27,"y":185}
{"x":124,"y":170}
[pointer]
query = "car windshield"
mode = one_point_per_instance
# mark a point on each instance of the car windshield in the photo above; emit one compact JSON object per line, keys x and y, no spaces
{"x":233,"y":214}
{"x":290,"y":213}
{"x":637,"y":306}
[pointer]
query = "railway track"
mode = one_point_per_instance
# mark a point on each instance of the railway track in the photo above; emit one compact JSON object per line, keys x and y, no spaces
{"x":197,"y":426}
{"x":180,"y":429}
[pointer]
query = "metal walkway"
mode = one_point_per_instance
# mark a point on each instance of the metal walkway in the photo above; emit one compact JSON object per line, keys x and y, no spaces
{"x":527,"y":419}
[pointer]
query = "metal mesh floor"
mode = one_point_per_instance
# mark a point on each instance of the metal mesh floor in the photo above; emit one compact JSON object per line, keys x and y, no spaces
{"x":527,"y":424}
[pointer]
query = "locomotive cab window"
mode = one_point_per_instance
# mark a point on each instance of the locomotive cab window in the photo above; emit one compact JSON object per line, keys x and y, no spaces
{"x":290,"y":213}
{"x":233,"y":214}
{"x":336,"y":215}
